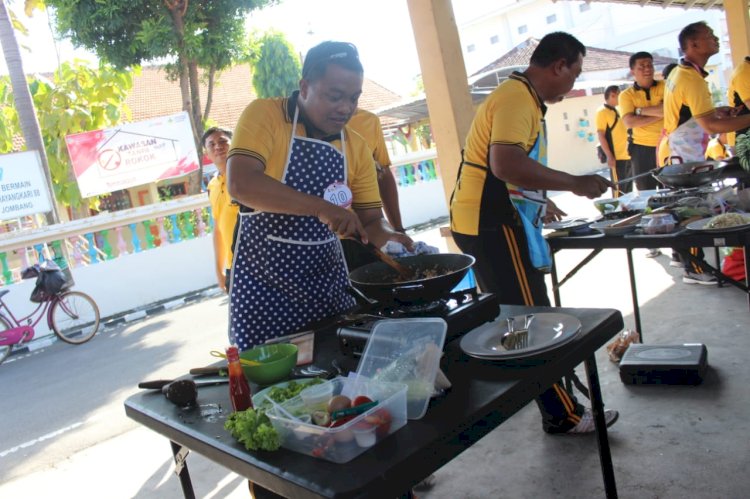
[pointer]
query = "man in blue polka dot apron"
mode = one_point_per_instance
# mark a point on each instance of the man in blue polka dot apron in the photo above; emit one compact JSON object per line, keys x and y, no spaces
{"x":303,"y":180}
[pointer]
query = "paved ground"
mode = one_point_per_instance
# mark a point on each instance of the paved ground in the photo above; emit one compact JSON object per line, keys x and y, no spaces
{"x":670,"y":442}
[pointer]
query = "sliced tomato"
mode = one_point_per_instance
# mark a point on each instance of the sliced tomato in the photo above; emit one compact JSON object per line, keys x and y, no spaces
{"x":341,"y":421}
{"x":382,"y":420}
{"x":361,"y":399}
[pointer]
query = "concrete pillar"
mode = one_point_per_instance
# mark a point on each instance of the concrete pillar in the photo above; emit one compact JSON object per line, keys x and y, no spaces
{"x":738,"y":26}
{"x":445,"y":82}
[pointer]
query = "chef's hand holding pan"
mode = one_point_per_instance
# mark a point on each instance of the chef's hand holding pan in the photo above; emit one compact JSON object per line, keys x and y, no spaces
{"x":591,"y":186}
{"x":343,"y":222}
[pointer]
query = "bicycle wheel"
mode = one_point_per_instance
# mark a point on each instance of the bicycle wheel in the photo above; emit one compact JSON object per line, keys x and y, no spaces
{"x":4,"y":349}
{"x":75,"y":317}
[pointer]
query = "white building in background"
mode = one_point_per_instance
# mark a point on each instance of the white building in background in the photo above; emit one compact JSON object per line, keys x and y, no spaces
{"x":490,"y":28}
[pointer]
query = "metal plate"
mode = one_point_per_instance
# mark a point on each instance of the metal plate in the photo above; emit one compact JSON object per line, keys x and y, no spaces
{"x":700,"y":225}
{"x":569,"y":224}
{"x":605,"y":227}
{"x":547,"y":332}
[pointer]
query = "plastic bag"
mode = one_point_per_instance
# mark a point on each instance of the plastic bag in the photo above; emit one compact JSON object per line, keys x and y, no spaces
{"x":617,"y":348}
{"x":50,"y":281}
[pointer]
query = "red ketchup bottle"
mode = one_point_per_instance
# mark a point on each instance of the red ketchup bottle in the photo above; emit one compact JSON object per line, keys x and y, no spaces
{"x":239,"y":390}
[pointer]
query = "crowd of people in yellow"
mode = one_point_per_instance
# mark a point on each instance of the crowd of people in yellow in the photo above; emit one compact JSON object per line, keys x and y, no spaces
{"x":654,"y":122}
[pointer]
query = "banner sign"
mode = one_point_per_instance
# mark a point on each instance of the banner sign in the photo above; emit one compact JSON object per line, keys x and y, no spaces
{"x":23,"y":186}
{"x":132,"y":154}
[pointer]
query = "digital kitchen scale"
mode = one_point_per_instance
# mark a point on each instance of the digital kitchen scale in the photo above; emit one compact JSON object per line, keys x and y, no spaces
{"x":684,"y":364}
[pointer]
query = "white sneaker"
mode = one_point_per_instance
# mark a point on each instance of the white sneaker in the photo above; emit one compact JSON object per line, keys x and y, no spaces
{"x":653,"y":253}
{"x":587,"y":425}
{"x":693,"y":278}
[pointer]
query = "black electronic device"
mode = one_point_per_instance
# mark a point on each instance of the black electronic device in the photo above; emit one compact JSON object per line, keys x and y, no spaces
{"x":644,"y":364}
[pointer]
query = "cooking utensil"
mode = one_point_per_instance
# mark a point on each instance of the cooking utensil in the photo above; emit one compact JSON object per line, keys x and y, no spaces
{"x":246,"y":362}
{"x":690,"y":174}
{"x":406,"y":273}
{"x":644,"y":174}
{"x":181,"y":392}
{"x":209,"y":371}
{"x":380,"y":282}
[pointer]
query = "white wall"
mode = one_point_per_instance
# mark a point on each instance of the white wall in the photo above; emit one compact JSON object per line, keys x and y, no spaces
{"x":132,"y":281}
{"x":566,"y":150}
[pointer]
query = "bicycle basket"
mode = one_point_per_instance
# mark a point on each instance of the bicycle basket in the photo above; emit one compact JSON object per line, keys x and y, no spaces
{"x":48,"y":284}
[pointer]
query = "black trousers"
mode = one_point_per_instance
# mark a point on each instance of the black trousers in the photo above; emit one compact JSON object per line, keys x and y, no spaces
{"x":503,"y":267}
{"x":623,"y":169}
{"x":643,"y":159}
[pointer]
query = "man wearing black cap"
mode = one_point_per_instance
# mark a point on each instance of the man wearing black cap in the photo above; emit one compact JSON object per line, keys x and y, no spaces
{"x":303,"y":181}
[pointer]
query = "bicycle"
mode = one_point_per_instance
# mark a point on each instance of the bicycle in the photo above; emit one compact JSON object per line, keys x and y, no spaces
{"x":72,"y":315}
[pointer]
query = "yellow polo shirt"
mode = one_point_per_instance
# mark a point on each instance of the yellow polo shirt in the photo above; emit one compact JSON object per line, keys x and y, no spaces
{"x":605,"y":118}
{"x":264,"y":132}
{"x":512,"y":114}
{"x":368,"y":126}
{"x":636,"y":96}
{"x":224,"y":215}
{"x":739,"y":92}
{"x":686,"y":96}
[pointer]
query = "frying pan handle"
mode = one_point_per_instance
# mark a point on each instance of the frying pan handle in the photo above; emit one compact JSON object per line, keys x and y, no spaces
{"x":702,"y":168}
{"x":156,"y":384}
{"x":671,"y":160}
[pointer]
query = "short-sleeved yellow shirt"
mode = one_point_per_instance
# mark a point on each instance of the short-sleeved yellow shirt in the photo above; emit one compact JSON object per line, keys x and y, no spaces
{"x":605,"y":118}
{"x":224,"y":215}
{"x":739,"y":85}
{"x":368,"y":126}
{"x":686,"y":96}
{"x":512,"y":114}
{"x":264,"y":132}
{"x":739,"y":92}
{"x":634,"y":97}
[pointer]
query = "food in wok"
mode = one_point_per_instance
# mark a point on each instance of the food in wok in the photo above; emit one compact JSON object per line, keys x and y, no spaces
{"x":727,"y":220}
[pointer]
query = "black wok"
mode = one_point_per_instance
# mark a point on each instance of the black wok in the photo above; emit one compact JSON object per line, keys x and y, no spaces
{"x":691,"y":174}
{"x":380,"y":282}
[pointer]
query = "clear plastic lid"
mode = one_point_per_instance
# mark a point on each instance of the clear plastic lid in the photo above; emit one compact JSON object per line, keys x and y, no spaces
{"x":406,"y":351}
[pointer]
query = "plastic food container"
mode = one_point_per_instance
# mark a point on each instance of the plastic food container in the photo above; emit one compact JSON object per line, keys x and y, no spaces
{"x":658,"y":223}
{"x":406,"y":351}
{"x":342,"y":443}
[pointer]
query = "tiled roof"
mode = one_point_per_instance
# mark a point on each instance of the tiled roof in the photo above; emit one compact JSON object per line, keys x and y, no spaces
{"x":597,"y":59}
{"x":154,"y":95}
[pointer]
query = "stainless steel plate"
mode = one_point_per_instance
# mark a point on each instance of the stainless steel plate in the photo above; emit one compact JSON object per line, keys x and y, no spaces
{"x":569,"y":224}
{"x":547,"y":332}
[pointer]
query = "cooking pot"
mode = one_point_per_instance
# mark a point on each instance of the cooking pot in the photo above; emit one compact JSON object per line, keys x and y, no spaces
{"x":380,"y":282}
{"x":691,"y":174}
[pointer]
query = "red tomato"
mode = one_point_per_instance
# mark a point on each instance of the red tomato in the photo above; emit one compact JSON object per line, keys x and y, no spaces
{"x":361,"y":399}
{"x":341,"y":421}
{"x":382,"y":419}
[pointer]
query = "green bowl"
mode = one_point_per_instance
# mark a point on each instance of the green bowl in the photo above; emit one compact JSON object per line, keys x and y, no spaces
{"x":276,"y":363}
{"x":602,"y":204}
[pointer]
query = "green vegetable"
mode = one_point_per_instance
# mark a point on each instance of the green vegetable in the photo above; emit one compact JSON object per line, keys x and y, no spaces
{"x":253,"y":429}
{"x":279,"y":394}
{"x":742,"y":150}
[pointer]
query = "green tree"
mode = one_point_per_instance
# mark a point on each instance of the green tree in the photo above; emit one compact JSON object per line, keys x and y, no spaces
{"x":23,"y":114}
{"x":76,"y":99}
{"x":191,"y":34}
{"x":276,"y":65}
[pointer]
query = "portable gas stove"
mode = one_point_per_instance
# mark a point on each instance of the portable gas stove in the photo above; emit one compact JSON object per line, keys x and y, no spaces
{"x":671,"y":196}
{"x":462,"y":311}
